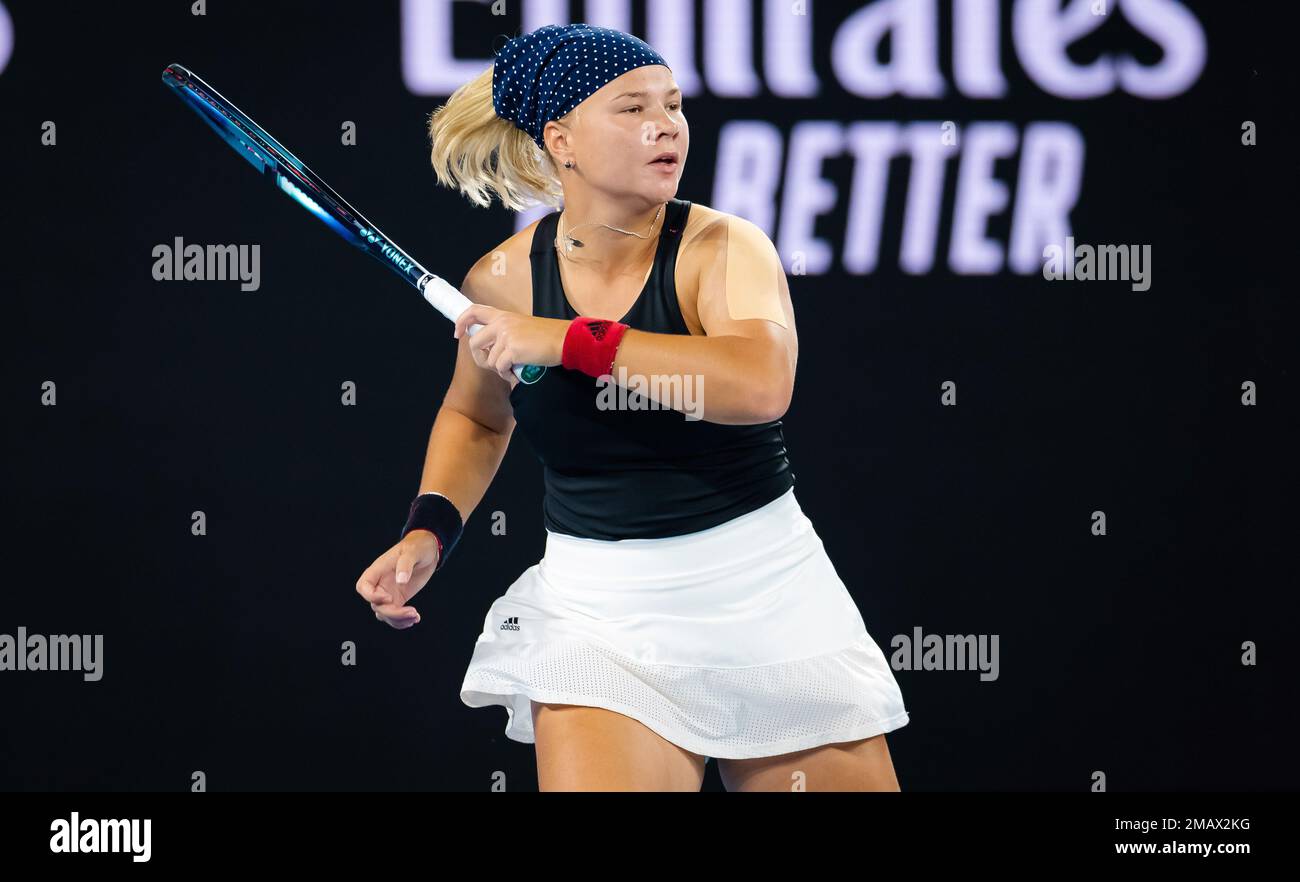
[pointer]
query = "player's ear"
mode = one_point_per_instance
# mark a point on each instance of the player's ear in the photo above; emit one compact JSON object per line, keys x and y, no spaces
{"x":559,"y":143}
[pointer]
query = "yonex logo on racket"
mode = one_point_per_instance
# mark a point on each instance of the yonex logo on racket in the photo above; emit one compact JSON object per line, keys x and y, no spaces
{"x":393,"y":254}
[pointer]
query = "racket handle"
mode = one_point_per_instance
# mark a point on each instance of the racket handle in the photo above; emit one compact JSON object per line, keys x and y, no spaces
{"x":443,"y":297}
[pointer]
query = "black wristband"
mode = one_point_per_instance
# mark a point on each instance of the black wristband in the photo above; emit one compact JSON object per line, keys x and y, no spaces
{"x":436,"y":513}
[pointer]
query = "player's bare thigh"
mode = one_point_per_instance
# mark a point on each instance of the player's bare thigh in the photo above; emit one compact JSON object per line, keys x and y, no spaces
{"x":847,"y":765}
{"x":591,"y":748}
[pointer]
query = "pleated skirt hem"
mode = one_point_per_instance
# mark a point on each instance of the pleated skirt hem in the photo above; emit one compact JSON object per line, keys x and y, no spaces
{"x":715,"y":712}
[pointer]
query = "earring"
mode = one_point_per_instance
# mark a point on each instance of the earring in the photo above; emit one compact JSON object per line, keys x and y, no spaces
{"x":568,"y":163}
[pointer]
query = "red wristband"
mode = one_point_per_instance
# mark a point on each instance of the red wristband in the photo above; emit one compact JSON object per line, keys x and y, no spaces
{"x":590,"y":345}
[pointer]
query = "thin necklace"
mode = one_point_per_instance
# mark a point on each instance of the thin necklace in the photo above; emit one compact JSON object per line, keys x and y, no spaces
{"x":571,"y":242}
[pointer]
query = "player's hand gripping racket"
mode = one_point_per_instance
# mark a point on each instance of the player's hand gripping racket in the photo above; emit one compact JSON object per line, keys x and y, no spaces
{"x":289,"y":175}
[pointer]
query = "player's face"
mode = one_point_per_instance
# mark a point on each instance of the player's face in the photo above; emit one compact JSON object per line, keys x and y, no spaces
{"x":630,"y":137}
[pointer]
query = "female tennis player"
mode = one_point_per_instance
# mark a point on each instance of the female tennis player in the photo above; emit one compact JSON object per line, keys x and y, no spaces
{"x":684,"y":608}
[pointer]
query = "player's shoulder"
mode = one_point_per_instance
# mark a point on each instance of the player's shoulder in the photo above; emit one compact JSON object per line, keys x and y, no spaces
{"x":704,"y":220}
{"x":710,"y":232}
{"x":502,"y":277}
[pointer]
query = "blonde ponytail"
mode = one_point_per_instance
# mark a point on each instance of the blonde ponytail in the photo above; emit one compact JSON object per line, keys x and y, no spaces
{"x":479,"y":154}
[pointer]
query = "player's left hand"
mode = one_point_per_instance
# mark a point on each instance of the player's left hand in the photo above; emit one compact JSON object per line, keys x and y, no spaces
{"x":510,"y":338}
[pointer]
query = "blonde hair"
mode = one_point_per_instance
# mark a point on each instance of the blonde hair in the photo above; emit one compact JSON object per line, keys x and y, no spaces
{"x":480,"y":154}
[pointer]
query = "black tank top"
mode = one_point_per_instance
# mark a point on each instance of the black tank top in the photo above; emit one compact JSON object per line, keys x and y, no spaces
{"x":637,"y":474}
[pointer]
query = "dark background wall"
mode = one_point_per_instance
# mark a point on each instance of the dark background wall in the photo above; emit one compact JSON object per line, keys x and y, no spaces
{"x":1119,"y":653}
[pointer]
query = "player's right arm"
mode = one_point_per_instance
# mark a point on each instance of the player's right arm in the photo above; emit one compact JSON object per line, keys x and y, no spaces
{"x":470,"y":434}
{"x":473,"y":426}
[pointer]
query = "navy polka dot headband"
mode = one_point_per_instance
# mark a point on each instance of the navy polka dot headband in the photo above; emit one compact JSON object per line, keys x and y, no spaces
{"x":541,"y":76}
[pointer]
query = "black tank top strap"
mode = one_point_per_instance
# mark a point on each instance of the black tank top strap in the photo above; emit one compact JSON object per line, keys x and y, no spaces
{"x":661,"y":311}
{"x":548,"y":297}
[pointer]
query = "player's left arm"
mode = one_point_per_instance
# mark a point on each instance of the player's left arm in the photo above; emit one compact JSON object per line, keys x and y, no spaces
{"x":745,"y":365}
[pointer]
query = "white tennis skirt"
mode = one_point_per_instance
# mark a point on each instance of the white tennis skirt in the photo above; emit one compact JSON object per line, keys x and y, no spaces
{"x":737,"y":641}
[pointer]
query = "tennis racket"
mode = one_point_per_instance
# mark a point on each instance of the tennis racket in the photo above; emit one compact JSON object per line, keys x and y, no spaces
{"x":290,"y":176}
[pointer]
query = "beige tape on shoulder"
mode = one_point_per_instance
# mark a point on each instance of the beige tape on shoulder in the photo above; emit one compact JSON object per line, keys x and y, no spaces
{"x":753,"y":275}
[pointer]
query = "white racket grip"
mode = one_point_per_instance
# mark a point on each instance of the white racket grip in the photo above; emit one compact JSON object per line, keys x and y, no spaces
{"x":444,"y":297}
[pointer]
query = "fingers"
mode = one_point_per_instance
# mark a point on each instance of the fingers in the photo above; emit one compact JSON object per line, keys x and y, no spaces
{"x":491,"y":350}
{"x":463,"y":321}
{"x":481,"y":344}
{"x":487,"y":345}
{"x":397,"y":575}
{"x":503,"y":364}
{"x":411,"y":555}
{"x":368,"y":585}
{"x":399,"y":617}
{"x":474,"y":314}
